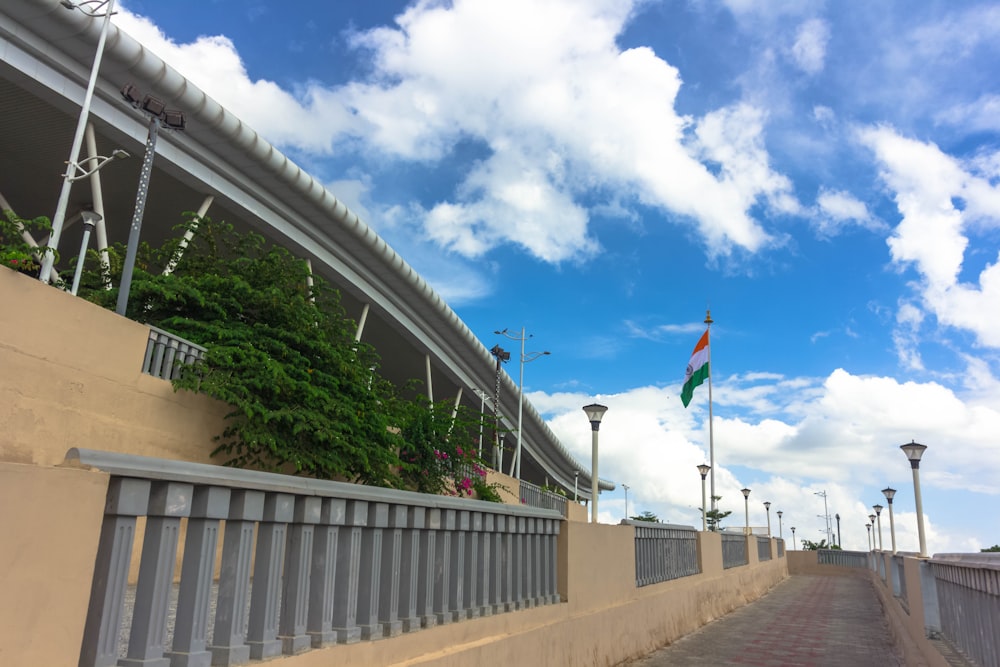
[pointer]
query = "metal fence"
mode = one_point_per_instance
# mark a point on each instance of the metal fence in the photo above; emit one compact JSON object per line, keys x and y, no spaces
{"x":898,"y":579}
{"x":166,"y":354}
{"x":781,"y":548}
{"x":331,"y":562}
{"x":734,"y":550}
{"x":536,"y":496}
{"x":663,"y":551}
{"x":763,"y":548}
{"x":837,"y":558}
{"x":968,"y":594}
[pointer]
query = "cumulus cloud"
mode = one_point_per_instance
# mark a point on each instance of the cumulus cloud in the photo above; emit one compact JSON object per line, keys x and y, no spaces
{"x":837,"y":210}
{"x":557,"y":109}
{"x":932,"y":235}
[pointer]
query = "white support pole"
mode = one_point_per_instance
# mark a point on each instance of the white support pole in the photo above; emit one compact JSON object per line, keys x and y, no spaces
{"x":430,"y":380}
{"x":361,"y":324}
{"x":97,"y":195}
{"x":189,"y":234}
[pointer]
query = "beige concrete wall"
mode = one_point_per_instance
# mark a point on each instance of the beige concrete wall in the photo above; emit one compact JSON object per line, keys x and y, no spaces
{"x":907,"y":623}
{"x":50,"y":521}
{"x":71,"y":378}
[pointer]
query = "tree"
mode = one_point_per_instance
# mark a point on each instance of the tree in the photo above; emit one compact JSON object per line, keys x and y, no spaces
{"x":646,"y":516}
{"x":714,"y":517}
{"x":306,"y":397}
{"x":994,"y":548}
{"x":808,"y":545}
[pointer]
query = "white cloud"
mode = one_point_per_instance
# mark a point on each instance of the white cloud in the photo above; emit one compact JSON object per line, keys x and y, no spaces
{"x":809,"y":50}
{"x":932,"y":234}
{"x":543,"y":89}
{"x":980,"y":115}
{"x":836,"y":210}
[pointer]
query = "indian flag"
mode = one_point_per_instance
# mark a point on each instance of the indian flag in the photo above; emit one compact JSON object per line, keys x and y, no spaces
{"x":697,"y":369}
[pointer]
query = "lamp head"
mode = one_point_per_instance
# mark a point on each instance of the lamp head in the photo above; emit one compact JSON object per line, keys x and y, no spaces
{"x":595,"y":412}
{"x":745,"y":492}
{"x":119,"y":154}
{"x":767,"y":505}
{"x":779,"y":513}
{"x":703,"y":469}
{"x":913,"y":451}
{"x":871,"y":517}
{"x":878,"y":509}
{"x":888,"y":492}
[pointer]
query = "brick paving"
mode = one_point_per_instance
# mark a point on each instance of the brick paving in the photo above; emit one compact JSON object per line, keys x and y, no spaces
{"x":805,"y":621}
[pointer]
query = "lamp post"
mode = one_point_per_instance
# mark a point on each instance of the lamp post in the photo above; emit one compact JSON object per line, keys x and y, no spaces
{"x":515,"y":465}
{"x":576,"y":485}
{"x":157,"y":113}
{"x":868,"y":526}
{"x":793,"y":538}
{"x":878,"y":520}
{"x":90,"y":220}
{"x":913,"y":452}
{"x":871,"y":518}
{"x":595,"y":412}
{"x":502,"y":356}
{"x":703,"y":471}
{"x":781,"y":534}
{"x":889,"y":492}
{"x":767,"y":508}
{"x":746,"y":509}
{"x":840,"y":541}
{"x":625,"y":486}
{"x":59,"y":218}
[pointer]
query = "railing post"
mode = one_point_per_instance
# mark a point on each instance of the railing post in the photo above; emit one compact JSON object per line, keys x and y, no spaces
{"x":426,"y":584}
{"x":295,"y":590}
{"x":928,"y":591}
{"x":168,"y":502}
{"x":531,"y":561}
{"x":345,"y":593}
{"x":509,"y":564}
{"x":456,"y":583}
{"x":324,"y":567}
{"x":269,"y":558}
{"x":442,"y":570}
{"x":485,"y":569}
{"x":392,"y":557}
{"x":127,"y":499}
{"x":470,"y":587}
{"x":409,"y":568}
{"x":553,"y":556}
{"x":369,"y":577}
{"x":229,"y":645}
{"x":190,"y":649}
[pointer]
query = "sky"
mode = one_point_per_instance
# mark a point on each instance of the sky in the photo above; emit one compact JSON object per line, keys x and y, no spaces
{"x":822,"y":176}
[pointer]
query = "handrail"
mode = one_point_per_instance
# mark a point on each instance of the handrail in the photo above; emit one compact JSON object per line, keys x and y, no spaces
{"x":167,"y":353}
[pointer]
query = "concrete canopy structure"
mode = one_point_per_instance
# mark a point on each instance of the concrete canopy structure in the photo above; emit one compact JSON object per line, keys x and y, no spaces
{"x":46,"y":52}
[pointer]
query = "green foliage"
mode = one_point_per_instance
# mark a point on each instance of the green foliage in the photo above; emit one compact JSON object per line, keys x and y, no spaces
{"x":15,"y":252}
{"x":714,"y":517}
{"x":646,"y":516}
{"x":993,"y":549}
{"x":306,"y":397}
{"x":808,"y":545}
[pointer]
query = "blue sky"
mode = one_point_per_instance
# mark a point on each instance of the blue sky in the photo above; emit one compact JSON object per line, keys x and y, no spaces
{"x":823,"y":176}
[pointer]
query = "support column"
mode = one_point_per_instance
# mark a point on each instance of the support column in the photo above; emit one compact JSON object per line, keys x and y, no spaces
{"x":229,"y":645}
{"x":345,"y":594}
{"x":361,"y":323}
{"x":127,"y":499}
{"x":190,"y":647}
{"x":269,"y":560}
{"x":324,"y":567}
{"x":168,"y":502}
{"x":295,"y":590}
{"x":430,"y":380}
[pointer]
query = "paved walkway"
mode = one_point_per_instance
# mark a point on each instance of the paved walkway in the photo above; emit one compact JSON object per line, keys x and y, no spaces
{"x":805,"y":621}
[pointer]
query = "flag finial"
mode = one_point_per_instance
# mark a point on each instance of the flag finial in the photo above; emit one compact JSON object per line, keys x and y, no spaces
{"x":708,"y":317}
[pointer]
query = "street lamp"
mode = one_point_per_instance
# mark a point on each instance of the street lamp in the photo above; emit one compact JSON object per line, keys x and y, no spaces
{"x":93,"y":9}
{"x":595,"y":412}
{"x":914,"y":451}
{"x":781,"y":534}
{"x":502,"y":356}
{"x":625,"y":486}
{"x":90,"y":220}
{"x":703,"y":471}
{"x":871,"y":518}
{"x":840,"y":540}
{"x":767,"y":508}
{"x":793,"y":538}
{"x":746,"y":509}
{"x":878,"y":519}
{"x":576,"y":485}
{"x":869,"y":527}
{"x":515,"y":465}
{"x":157,"y":113}
{"x":889,"y":492}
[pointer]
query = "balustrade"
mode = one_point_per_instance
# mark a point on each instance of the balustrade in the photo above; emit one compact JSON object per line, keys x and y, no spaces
{"x":663,"y":551}
{"x":734,"y":550}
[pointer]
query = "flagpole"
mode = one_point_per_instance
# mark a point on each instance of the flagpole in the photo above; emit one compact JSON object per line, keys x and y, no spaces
{"x":711,"y":438}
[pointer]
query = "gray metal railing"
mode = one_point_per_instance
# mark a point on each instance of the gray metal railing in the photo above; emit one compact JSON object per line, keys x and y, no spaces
{"x":781,"y":548}
{"x":763,"y":548}
{"x":663,"y":551}
{"x":898,"y":579}
{"x":839,"y":558}
{"x":332,"y":562}
{"x":968,"y":595}
{"x":734,"y":550}
{"x":166,"y":354}
{"x":536,"y":496}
